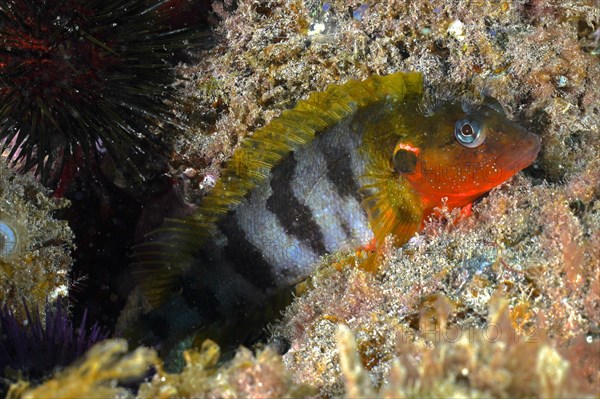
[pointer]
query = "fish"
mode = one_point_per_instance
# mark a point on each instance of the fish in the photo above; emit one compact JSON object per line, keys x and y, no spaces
{"x":343,"y":170}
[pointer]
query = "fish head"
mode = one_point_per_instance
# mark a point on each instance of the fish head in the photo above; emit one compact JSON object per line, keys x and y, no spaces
{"x":460,"y":154}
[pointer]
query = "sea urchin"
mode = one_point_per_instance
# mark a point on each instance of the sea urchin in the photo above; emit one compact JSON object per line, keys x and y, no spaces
{"x":78,"y":75}
{"x":35,"y":348}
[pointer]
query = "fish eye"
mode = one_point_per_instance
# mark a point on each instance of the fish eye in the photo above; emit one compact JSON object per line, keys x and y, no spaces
{"x":468,"y":133}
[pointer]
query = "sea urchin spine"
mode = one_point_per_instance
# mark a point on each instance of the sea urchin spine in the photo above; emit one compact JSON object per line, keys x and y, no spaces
{"x":83,"y":74}
{"x":38,"y":346}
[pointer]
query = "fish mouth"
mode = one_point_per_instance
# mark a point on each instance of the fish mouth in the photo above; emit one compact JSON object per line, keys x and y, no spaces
{"x":532,"y":148}
{"x":523,"y":153}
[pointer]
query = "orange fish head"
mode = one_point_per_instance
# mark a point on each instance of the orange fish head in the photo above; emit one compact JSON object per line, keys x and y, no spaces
{"x":461,"y":154}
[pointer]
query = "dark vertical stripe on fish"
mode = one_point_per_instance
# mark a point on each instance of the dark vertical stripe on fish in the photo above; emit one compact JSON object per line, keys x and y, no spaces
{"x":245,"y":258}
{"x":339,"y":171}
{"x":296,"y":218}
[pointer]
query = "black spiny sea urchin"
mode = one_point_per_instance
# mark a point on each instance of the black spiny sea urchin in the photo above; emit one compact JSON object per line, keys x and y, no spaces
{"x":76,"y":75}
{"x":35,"y":348}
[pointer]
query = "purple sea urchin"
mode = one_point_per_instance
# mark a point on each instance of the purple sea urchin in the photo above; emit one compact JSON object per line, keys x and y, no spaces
{"x":38,"y":346}
{"x":84,"y":74}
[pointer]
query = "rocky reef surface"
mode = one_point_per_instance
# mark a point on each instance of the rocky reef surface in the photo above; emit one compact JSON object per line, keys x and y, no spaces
{"x":504,"y":303}
{"x":35,"y":247}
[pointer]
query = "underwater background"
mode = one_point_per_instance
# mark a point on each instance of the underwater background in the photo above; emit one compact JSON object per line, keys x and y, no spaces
{"x":503,"y":303}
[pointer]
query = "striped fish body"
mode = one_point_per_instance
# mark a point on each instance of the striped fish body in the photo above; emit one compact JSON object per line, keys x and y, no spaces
{"x":344,"y":169}
{"x":308,"y":206}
